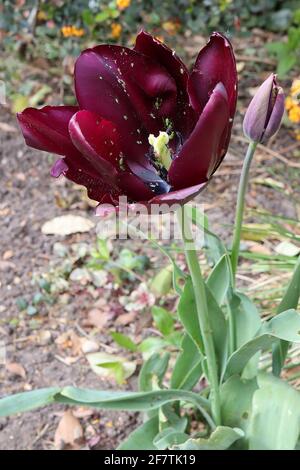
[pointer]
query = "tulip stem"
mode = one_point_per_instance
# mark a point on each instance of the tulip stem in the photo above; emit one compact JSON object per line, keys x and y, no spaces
{"x":235,"y":250}
{"x":203,"y":313}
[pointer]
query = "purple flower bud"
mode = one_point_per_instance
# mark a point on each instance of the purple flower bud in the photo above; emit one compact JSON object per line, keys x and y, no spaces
{"x":264,"y":114}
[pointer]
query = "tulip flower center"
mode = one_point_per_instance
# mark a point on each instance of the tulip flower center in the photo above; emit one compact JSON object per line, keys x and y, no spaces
{"x":161,"y":150}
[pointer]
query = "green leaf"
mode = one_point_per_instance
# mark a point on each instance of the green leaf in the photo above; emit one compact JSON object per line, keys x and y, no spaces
{"x":292,"y":294}
{"x":290,"y":300}
{"x":247,"y":322}
{"x":219,"y":279}
{"x":103,"y":249}
{"x":123,"y":341}
{"x":110,"y":366}
{"x":247,"y":318}
{"x":27,"y":401}
{"x":236,"y":401}
{"x":162,"y":282}
{"x":135,"y":401}
{"x":142,"y":437}
{"x":187,"y":369}
{"x":275,"y":418}
{"x":284,"y":326}
{"x":169,"y":437}
{"x":153,"y":371}
{"x":216,"y":248}
{"x":150,"y":345}
{"x":187,"y":313}
{"x":163,"y":320}
{"x":220,"y":439}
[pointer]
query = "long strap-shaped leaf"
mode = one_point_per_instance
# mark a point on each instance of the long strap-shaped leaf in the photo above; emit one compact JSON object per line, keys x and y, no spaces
{"x":290,"y":300}
{"x":136,"y":401}
{"x":285,"y":326}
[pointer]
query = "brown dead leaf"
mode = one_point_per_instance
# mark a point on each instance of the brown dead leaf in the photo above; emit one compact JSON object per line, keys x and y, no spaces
{"x":7,"y":128}
{"x":7,"y":255}
{"x":83,"y":412}
{"x":98,"y":318}
{"x":14,"y":368}
{"x":259,"y":248}
{"x":126,"y":318}
{"x":69,"y":432}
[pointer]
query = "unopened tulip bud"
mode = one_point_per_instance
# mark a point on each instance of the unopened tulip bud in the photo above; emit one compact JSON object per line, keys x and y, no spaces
{"x":264,"y":114}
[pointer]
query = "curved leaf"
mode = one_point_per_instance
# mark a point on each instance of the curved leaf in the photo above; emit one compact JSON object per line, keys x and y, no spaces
{"x":187,"y":369}
{"x":219,"y":279}
{"x":220,"y":439}
{"x":290,"y":300}
{"x":153,"y":371}
{"x":284,"y":326}
{"x":142,"y":437}
{"x":275,"y":418}
{"x":27,"y":401}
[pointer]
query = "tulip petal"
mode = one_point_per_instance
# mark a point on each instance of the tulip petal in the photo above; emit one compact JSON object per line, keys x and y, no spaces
{"x":200,"y":154}
{"x":47,"y":128}
{"x":98,"y":141}
{"x":153,"y":48}
{"x":181,"y":196}
{"x":96,"y":187}
{"x":215,"y":63}
{"x":133,"y":187}
{"x":276,"y":116}
{"x":128,"y":89}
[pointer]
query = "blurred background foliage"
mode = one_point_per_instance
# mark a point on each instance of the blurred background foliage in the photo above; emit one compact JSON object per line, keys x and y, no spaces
{"x":85,"y":21}
{"x":46,"y":36}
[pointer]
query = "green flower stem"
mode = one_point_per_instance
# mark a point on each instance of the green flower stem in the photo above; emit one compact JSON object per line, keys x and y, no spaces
{"x":240,"y":207}
{"x":203,"y":313}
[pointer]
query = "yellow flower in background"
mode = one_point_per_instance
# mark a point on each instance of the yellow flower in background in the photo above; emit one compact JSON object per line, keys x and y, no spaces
{"x":123,"y":4}
{"x":295,"y":88}
{"x":116,"y":30}
{"x":41,"y":16}
{"x":72,"y":31}
{"x":171,"y":27}
{"x":292,"y":104}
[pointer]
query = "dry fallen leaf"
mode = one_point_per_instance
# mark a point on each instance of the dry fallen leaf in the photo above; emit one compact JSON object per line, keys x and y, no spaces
{"x":126,"y":318}
{"x":98,"y":318}
{"x":7,"y":255}
{"x":67,"y":225}
{"x":14,"y":368}
{"x":7,"y":128}
{"x":69,"y":432}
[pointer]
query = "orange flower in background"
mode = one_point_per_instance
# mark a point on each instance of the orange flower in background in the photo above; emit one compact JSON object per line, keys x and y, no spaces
{"x":172,"y":26}
{"x":116,"y":30}
{"x":72,"y":31}
{"x":292,"y":103}
{"x":123,"y":4}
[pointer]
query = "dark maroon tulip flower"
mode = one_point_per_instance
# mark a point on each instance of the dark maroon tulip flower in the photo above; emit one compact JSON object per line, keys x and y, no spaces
{"x":144,"y":126}
{"x":264,"y":114}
